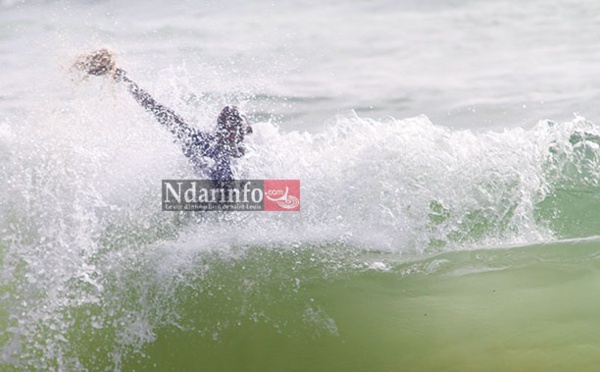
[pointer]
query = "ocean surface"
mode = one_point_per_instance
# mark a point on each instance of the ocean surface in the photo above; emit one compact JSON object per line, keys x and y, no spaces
{"x":448,"y":155}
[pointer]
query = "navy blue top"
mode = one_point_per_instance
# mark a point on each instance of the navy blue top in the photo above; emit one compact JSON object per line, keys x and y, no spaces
{"x":196,"y":145}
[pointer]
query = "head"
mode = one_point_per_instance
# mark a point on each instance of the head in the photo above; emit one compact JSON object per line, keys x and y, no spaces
{"x":231,"y":130}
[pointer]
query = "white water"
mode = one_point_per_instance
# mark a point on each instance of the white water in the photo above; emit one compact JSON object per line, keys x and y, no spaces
{"x":81,"y":164}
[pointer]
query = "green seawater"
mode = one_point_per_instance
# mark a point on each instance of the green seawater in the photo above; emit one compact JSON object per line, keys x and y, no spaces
{"x":520,"y":309}
{"x":506,"y":309}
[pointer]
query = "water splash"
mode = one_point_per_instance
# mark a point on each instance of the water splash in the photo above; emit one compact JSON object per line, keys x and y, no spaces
{"x":86,"y":250}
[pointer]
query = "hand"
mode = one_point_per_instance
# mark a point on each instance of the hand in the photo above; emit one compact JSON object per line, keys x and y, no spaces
{"x":99,"y":62}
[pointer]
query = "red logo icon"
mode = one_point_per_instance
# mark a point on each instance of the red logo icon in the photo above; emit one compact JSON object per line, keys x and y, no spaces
{"x":282,"y":195}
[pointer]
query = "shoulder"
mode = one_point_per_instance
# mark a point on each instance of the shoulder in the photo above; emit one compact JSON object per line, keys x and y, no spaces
{"x":200,"y":138}
{"x":201,"y":141}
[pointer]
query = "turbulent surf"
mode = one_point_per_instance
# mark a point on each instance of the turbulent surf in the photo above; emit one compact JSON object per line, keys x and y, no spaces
{"x":424,"y":241}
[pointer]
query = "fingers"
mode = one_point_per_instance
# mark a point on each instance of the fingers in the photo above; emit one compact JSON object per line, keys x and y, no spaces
{"x":99,"y":62}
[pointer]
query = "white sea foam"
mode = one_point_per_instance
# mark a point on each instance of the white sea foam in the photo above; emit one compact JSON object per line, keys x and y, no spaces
{"x":82,"y":201}
{"x":81,"y":164}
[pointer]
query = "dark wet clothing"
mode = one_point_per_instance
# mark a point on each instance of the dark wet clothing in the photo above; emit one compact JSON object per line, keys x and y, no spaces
{"x":195,"y":144}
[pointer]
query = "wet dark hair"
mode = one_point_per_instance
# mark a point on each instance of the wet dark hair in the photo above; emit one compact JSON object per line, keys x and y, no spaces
{"x":229,"y":117}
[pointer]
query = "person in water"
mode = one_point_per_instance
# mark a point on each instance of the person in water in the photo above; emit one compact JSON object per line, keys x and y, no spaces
{"x":226,"y":143}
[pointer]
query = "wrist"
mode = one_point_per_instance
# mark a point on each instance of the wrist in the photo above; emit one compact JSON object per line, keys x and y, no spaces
{"x":120,"y":75}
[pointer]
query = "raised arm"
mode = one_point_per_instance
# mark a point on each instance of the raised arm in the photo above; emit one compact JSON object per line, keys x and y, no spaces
{"x":167,"y":117}
{"x":101,"y":62}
